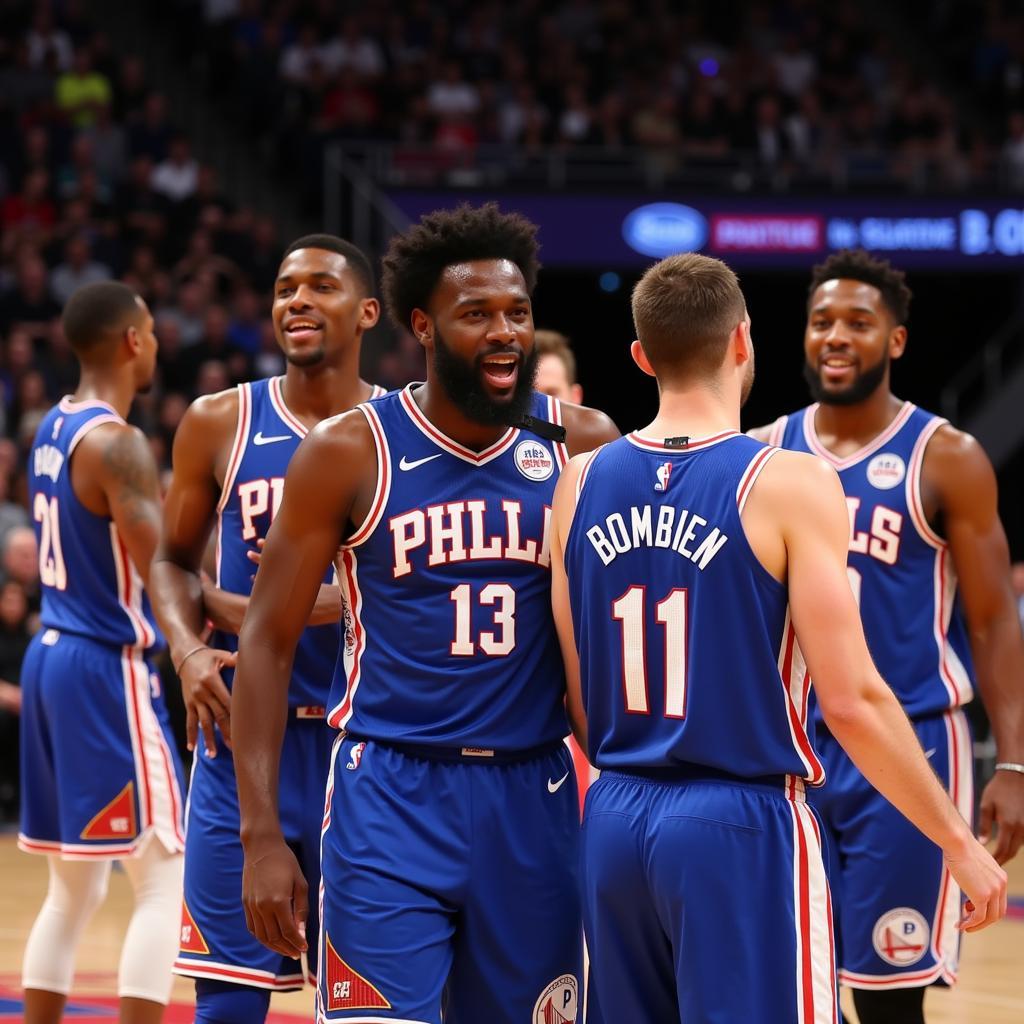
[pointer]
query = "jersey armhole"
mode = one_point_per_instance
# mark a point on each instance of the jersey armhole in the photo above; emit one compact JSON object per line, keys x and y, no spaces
{"x":85,"y":428}
{"x":777,"y":431}
{"x":913,"y":486}
{"x":750,"y":475}
{"x":382,"y":489}
{"x":555,"y":416}
{"x":241,"y":439}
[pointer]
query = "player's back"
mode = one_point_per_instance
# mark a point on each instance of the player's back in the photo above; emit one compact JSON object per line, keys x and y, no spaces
{"x":687,"y":653}
{"x":90,"y":587}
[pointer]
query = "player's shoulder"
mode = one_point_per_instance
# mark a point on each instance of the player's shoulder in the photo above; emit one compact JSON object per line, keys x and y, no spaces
{"x":347,"y":434}
{"x":789,"y":475}
{"x":217,"y":411}
{"x":955,"y":463}
{"x":772,"y":433}
{"x":586,"y":428}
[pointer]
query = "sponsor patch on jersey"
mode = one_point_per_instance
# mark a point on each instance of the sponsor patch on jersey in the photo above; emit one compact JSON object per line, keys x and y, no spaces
{"x":191,"y":940}
{"x":557,"y":1003}
{"x":886,"y":471}
{"x":901,"y":936}
{"x":355,"y":755}
{"x":116,"y":820}
{"x":533,"y":460}
{"x":347,"y":989}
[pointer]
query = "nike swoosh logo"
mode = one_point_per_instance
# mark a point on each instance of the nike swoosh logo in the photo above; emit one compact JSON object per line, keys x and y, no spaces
{"x":554,"y":787}
{"x":928,"y":753}
{"x":260,"y":439}
{"x":406,"y":465}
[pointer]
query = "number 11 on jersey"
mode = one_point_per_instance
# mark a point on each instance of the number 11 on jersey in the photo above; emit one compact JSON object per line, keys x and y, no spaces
{"x":670,"y":612}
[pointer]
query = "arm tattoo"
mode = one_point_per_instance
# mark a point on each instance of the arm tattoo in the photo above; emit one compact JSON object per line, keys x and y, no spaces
{"x":131,"y":466}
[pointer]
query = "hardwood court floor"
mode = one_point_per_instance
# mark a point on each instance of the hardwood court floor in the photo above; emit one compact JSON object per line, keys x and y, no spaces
{"x":991,"y":990}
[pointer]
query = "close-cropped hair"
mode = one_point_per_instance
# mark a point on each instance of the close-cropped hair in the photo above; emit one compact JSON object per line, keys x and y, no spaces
{"x":860,"y":265}
{"x":554,"y":343}
{"x":417,"y":258}
{"x":354,"y":256}
{"x":684,"y":310}
{"x":94,"y":310}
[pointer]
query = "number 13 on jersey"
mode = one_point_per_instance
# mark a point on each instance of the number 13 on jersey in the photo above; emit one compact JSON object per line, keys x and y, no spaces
{"x":670,"y":612}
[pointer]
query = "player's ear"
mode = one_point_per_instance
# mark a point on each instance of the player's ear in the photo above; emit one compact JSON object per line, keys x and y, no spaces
{"x":741,"y":342}
{"x":636,"y":350}
{"x":897,"y":342}
{"x":422,"y":328}
{"x":370,"y":313}
{"x":132,"y":340}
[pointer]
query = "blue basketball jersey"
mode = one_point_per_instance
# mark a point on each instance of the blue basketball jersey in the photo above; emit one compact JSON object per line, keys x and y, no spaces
{"x":448,"y":635}
{"x":90,"y":587}
{"x":266,"y":438}
{"x":687,"y":652}
{"x":901,"y":570}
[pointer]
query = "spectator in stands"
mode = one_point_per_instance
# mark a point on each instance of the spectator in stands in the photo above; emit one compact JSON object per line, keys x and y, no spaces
{"x":29,"y":305}
{"x":11,"y":513}
{"x":177,"y":177}
{"x":19,"y":562}
{"x":46,"y":39}
{"x":14,"y":638}
{"x":30,"y":213}
{"x":82,"y":91}
{"x":77,"y":269}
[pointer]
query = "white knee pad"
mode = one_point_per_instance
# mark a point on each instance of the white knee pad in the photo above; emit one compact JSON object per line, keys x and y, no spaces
{"x":151,"y":944}
{"x":76,"y":889}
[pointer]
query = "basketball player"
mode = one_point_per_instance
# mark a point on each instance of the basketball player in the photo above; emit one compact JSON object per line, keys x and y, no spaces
{"x":449,"y":850}
{"x":556,"y":367}
{"x":694,"y":560}
{"x":99,"y":773}
{"x":230,"y":456}
{"x":928,"y":562}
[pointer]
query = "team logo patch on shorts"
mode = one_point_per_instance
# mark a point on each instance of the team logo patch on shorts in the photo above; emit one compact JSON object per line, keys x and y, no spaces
{"x":886,"y":471}
{"x":347,"y":989}
{"x":557,"y":1003}
{"x":191,"y":940}
{"x":533,"y":460}
{"x":355,"y":755}
{"x":900,"y":937}
{"x":116,"y":820}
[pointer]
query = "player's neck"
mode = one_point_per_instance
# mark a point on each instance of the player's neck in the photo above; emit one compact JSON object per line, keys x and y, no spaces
{"x":693,"y":412}
{"x":116,"y":389}
{"x":452,"y":422}
{"x":859,"y":424}
{"x":313,"y":396}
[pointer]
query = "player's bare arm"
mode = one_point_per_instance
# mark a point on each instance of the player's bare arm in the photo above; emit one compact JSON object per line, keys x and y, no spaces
{"x":114,"y":474}
{"x":958,"y":481}
{"x":586,"y":428}
{"x":307,"y":531}
{"x":797,"y":523}
{"x":563,"y":507}
{"x":201,"y":444}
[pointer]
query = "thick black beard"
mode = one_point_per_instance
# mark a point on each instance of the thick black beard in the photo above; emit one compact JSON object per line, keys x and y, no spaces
{"x":462,"y":384}
{"x":863,"y":387}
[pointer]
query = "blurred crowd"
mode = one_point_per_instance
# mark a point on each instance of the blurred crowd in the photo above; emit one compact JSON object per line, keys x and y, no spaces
{"x":803,"y":93}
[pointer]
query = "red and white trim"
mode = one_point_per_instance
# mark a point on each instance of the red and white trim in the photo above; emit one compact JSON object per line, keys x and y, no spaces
{"x":352,"y":601}
{"x":287,"y":417}
{"x":777,"y":432}
{"x":81,"y":851}
{"x":382,"y":489}
{"x":444,"y":442}
{"x":96,"y":421}
{"x":585,"y":471}
{"x":129,"y":590}
{"x":913,"y":486}
{"x":815,"y":445}
{"x":555,"y":416}
{"x":190,"y":968}
{"x":377,"y":391}
{"x":816,"y":996}
{"x":238,"y":445}
{"x":328,"y":797}
{"x":954,"y":675}
{"x":750,"y":475}
{"x":796,"y":685}
{"x":695,"y":444}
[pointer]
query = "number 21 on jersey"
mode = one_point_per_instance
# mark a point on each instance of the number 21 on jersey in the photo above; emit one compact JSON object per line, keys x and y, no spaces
{"x":670,"y":612}
{"x":52,"y":570}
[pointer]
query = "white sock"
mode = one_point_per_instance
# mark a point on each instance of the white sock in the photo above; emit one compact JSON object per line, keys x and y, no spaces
{"x":151,"y":943}
{"x":76,"y":889}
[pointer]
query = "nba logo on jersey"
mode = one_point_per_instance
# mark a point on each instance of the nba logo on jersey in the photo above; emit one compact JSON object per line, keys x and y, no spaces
{"x":663,"y":473}
{"x":355,"y":756}
{"x":557,"y":1003}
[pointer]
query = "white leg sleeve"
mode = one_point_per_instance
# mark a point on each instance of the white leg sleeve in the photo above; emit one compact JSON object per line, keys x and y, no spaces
{"x":151,"y":943}
{"x":76,"y":889}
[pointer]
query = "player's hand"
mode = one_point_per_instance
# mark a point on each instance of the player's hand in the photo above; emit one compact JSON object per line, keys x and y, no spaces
{"x":276,"y":898}
{"x":254,"y":556}
{"x":1002,"y":805}
{"x":983,"y":882}
{"x":207,"y":699}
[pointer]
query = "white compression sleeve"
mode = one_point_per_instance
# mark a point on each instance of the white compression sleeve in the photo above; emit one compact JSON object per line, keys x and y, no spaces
{"x":76,"y":889}
{"x":151,"y":944}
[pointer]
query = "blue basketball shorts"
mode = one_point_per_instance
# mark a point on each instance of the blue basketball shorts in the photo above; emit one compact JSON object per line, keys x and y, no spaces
{"x":100,"y":775}
{"x":215,"y":942}
{"x":449,"y":884}
{"x":896,"y":904}
{"x":705,"y":899}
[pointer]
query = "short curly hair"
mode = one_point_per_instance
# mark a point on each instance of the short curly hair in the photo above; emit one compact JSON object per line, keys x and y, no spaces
{"x":860,"y":265}
{"x":416,"y":259}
